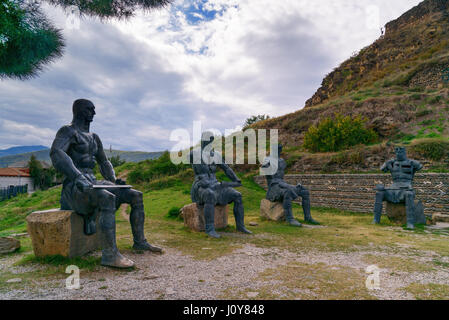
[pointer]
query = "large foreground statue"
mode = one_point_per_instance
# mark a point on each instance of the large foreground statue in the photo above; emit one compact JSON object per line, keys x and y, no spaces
{"x":402,"y":171}
{"x":207,"y":191}
{"x":74,"y":152}
{"x":280,"y":191}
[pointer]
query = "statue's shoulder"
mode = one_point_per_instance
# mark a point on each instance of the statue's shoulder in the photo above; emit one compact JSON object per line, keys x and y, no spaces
{"x":66,"y":130}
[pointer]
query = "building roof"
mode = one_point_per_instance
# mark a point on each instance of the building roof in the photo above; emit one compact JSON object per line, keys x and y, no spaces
{"x":15,"y":172}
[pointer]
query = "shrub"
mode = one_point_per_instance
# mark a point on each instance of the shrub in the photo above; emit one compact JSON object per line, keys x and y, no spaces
{"x":338,"y":134}
{"x":434,"y":150}
{"x":173,"y":213}
{"x":151,"y":169}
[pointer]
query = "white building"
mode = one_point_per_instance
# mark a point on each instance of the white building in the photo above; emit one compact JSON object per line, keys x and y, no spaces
{"x":16,"y":177}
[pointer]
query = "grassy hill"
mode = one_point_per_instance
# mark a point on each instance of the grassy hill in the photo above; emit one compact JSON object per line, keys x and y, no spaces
{"x":44,"y":155}
{"x":399,"y":84}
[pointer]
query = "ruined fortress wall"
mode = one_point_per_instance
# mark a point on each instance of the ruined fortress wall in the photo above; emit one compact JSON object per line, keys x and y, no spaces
{"x":355,"y":192}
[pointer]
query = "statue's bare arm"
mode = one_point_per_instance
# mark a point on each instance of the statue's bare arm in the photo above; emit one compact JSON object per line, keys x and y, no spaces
{"x":387,"y":166}
{"x":229,"y":173}
{"x":106,"y":169}
{"x":58,"y":153}
{"x":417,"y":165}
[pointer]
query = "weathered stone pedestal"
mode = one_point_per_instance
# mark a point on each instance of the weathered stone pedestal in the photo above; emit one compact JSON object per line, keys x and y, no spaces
{"x":271,"y":210}
{"x":194,"y":217}
{"x":8,"y":245}
{"x":397,"y":213}
{"x":60,"y":232}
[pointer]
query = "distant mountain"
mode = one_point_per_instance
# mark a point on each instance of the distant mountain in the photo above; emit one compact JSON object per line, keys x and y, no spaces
{"x":21,"y":149}
{"x":44,"y":155}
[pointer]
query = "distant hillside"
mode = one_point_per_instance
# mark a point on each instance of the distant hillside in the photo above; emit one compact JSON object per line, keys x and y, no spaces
{"x":44,"y":155}
{"x":400,"y":84}
{"x":21,"y":149}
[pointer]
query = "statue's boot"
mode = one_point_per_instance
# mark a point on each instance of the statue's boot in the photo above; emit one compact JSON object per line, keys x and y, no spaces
{"x":240,"y":217}
{"x":111,"y":257}
{"x":137,"y":220}
{"x":289,"y":214}
{"x":378,"y":207}
{"x":410,"y":210}
{"x":209,"y":211}
{"x":307,"y":214}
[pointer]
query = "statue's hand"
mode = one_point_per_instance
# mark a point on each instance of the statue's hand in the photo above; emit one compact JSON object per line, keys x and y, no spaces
{"x":120,"y":182}
{"x":82,"y":183}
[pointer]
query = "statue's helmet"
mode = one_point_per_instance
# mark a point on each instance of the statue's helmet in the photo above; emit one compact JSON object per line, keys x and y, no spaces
{"x":83,"y":109}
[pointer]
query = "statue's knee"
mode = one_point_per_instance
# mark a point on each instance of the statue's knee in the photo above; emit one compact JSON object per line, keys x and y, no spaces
{"x":305,"y":193}
{"x":409,"y":195}
{"x":137,"y":197}
{"x":107,"y":198}
{"x":238,"y":197}
{"x":209,"y":196}
{"x":380,"y":195}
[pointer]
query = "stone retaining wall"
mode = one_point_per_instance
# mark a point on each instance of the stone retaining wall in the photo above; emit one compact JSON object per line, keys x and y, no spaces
{"x":355,"y":192}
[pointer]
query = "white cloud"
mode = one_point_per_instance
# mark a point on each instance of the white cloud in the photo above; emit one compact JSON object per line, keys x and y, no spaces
{"x":158,"y":71}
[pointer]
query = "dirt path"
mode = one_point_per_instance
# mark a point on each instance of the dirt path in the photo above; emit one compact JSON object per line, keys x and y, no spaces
{"x":173,"y":275}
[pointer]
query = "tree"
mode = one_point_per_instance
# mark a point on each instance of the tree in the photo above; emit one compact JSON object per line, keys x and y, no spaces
{"x":253,"y":119}
{"x":28,"y":40}
{"x":116,"y":161}
{"x":42,"y":178}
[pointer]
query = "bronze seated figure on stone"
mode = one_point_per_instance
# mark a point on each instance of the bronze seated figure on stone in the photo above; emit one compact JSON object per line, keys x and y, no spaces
{"x":280,"y":191}
{"x":208,"y":192}
{"x":402,"y":171}
{"x":74,"y":153}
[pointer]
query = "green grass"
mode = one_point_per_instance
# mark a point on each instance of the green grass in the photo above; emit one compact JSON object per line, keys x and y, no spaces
{"x":14,"y":211}
{"x":340,"y":232}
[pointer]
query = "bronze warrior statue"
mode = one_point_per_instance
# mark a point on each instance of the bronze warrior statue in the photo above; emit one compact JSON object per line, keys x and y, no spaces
{"x":280,"y":191}
{"x":207,"y":191}
{"x":74,"y":152}
{"x":402,"y":171}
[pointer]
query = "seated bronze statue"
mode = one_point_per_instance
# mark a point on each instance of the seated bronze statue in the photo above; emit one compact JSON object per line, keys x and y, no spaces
{"x":402,"y":171}
{"x":74,"y":153}
{"x":280,"y":191}
{"x":207,"y":191}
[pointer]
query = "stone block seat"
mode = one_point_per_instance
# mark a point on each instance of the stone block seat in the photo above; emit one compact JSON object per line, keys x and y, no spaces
{"x":397,"y":213}
{"x":60,"y":232}
{"x":273,"y":211}
{"x":193,"y":216}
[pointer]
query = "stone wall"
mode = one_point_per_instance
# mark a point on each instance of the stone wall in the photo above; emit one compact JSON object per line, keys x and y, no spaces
{"x":355,"y":192}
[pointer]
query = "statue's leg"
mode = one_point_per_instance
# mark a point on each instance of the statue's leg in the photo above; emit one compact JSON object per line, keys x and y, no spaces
{"x":289,"y":196}
{"x":380,"y":195}
{"x":110,"y":254}
{"x":410,"y":209}
{"x":239,"y":213}
{"x":305,"y":197}
{"x":210,"y":200}
{"x":137,"y":219}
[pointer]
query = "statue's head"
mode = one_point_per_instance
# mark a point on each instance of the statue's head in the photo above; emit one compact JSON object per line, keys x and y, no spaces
{"x":83,"y":110}
{"x":401,"y":153}
{"x":207,"y":138}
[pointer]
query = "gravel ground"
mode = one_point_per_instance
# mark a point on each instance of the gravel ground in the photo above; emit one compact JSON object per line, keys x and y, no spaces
{"x":173,"y":275}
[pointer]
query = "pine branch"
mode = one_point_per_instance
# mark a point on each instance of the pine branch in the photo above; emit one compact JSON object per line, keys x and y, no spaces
{"x":105,"y":9}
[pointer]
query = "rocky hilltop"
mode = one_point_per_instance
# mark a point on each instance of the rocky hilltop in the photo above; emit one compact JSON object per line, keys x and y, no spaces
{"x":408,"y":46}
{"x":399,"y":84}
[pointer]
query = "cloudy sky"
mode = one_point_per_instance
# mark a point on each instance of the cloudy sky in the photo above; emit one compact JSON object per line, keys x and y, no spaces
{"x":214,"y":61}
